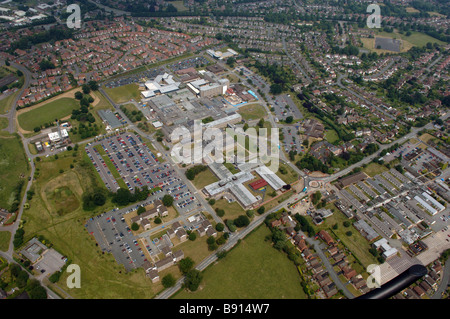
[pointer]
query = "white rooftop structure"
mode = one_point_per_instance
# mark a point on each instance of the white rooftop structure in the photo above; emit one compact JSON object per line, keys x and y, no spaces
{"x":54,"y":136}
{"x":163,"y":83}
{"x":270,"y":177}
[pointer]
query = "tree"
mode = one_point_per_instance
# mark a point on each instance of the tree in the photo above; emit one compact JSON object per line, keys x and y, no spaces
{"x":186,"y":265}
{"x":168,"y":281}
{"x":93,"y":85}
{"x":220,"y":227}
{"x":134,"y":226}
{"x":220,"y":212}
{"x":241,"y":221}
{"x":211,"y":240}
{"x":346,"y":223}
{"x":167,"y":200}
{"x":289,"y":119}
{"x":193,"y":279}
{"x":261,"y":210}
{"x":78,"y":95}
{"x":141,"y":210}
{"x":192,"y":236}
{"x":86,"y":89}
{"x":158,"y":220}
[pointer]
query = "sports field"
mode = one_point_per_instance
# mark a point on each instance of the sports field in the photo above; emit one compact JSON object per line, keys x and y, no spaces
{"x":57,"y":109}
{"x":252,"y":270}
{"x":124,"y":93}
{"x":13,"y":168}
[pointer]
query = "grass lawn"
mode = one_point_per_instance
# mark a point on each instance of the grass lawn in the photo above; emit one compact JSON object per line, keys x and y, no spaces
{"x":13,"y":167}
{"x":373,"y":169}
{"x":204,"y":178}
{"x":290,"y":176}
{"x":5,"y":103}
{"x":46,"y":113}
{"x":124,"y":93}
{"x":232,"y":210}
{"x":248,"y":272}
{"x":3,"y":123}
{"x":331,"y":136}
{"x":253,"y":111}
{"x":415,"y":39}
{"x":5,"y":237}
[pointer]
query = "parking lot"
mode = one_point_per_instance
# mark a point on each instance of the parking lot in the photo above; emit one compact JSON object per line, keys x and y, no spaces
{"x":284,"y":107}
{"x":194,"y":62}
{"x":114,"y":236}
{"x":292,"y":140}
{"x":135,"y":78}
{"x":139,"y":167}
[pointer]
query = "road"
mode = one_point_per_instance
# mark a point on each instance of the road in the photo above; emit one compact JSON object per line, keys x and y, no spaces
{"x":445,"y":281}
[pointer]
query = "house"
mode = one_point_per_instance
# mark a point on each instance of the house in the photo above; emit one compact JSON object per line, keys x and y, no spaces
{"x":333,"y":250}
{"x":164,"y":263}
{"x":323,"y":234}
{"x":181,"y":234}
{"x":302,"y":245}
{"x":425,"y":286}
{"x":178,"y":255}
{"x":153,"y":274}
{"x":330,"y":290}
{"x":201,"y":231}
{"x":419,"y":291}
{"x":166,"y":251}
{"x":171,"y":233}
{"x":348,"y":272}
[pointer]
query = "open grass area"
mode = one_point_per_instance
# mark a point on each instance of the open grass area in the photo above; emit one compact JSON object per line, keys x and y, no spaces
{"x":232,"y":210}
{"x":252,"y":270}
{"x":252,"y":111}
{"x":373,"y":169}
{"x":331,"y":136}
{"x":204,"y":178}
{"x":5,"y":103}
{"x":46,"y":113}
{"x":3,"y":123}
{"x":13,"y":168}
{"x":5,"y":237}
{"x":290,"y":176}
{"x":415,"y":39}
{"x":124,"y":93}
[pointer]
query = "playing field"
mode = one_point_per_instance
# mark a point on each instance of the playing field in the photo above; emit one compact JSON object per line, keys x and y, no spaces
{"x":13,"y":168}
{"x":46,"y":113}
{"x":252,"y":270}
{"x":124,"y":93}
{"x":252,"y":111}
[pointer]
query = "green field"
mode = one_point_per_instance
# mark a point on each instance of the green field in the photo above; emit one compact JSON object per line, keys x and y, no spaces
{"x":331,"y":136}
{"x":374,"y":169}
{"x":252,"y":111}
{"x":252,"y":270}
{"x":13,"y":168}
{"x":5,"y":237}
{"x":46,"y":113}
{"x":5,"y":103}
{"x":204,"y":178}
{"x":124,"y":93}
{"x":232,"y":210}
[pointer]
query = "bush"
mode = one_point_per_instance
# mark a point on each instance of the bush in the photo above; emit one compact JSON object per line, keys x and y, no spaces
{"x":192,"y":236}
{"x":168,"y":281}
{"x":193,"y":279}
{"x":220,"y":227}
{"x":241,"y":221}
